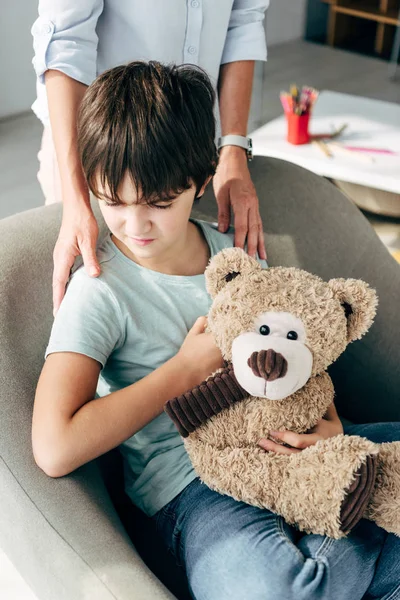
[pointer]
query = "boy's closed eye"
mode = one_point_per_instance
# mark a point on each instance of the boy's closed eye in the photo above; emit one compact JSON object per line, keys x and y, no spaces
{"x":162,"y":206}
{"x":119,"y":204}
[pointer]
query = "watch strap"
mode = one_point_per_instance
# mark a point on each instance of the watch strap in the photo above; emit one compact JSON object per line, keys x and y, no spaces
{"x":237,"y":140}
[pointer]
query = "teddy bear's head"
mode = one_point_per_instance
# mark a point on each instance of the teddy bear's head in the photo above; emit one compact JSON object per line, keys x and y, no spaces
{"x":280,"y":326}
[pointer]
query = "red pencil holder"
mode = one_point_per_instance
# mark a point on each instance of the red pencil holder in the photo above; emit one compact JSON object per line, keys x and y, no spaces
{"x":297,"y":128}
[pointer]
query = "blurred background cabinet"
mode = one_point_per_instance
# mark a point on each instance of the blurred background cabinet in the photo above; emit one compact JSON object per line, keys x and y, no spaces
{"x":363,"y":25}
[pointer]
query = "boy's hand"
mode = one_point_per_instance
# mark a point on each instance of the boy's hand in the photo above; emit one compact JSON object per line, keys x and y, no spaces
{"x":234,"y":190}
{"x":199,"y":352}
{"x":296,"y":442}
{"x":78,"y":235}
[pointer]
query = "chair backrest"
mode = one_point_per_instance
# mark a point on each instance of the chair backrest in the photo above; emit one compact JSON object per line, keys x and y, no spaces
{"x":63,"y":535}
{"x":26,"y":249}
{"x":26,"y":245}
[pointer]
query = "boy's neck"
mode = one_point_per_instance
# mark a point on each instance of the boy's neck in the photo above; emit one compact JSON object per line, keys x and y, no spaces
{"x":188,"y":257}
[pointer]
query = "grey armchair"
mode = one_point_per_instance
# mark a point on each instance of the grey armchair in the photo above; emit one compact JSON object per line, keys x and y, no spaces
{"x":78,"y":537}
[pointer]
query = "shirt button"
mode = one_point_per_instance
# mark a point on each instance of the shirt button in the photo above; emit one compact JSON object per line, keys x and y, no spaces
{"x":46,"y":29}
{"x":195,"y":4}
{"x":192,"y":50}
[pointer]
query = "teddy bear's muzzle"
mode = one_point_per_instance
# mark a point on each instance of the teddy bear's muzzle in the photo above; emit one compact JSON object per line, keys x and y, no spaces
{"x":268,"y":364}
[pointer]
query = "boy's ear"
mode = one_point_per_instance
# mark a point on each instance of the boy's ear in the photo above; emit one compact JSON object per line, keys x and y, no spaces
{"x":227,"y":265}
{"x":359,"y":303}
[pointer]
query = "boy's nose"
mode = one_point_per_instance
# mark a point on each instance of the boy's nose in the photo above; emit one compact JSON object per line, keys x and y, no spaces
{"x":138,"y":223}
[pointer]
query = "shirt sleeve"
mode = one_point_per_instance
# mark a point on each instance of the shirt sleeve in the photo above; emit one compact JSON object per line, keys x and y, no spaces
{"x":245,"y":39}
{"x":65,"y":38}
{"x":89,"y":320}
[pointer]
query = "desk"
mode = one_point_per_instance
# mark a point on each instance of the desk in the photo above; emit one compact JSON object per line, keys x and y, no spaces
{"x":371,"y":123}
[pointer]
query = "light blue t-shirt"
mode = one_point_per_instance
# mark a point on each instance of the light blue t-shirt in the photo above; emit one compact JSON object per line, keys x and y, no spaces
{"x":132,"y":320}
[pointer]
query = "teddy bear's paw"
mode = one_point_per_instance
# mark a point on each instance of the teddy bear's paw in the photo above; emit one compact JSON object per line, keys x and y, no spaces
{"x":384,"y":505}
{"x":333,"y":480}
{"x":358,"y":495}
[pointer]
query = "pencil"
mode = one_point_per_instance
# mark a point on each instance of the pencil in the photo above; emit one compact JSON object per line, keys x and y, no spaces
{"x":323,"y":147}
{"x":372,"y":150}
{"x":358,"y":155}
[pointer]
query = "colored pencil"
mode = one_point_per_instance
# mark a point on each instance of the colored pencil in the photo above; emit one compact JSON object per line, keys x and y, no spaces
{"x":299,"y":101}
{"x":371,"y":150}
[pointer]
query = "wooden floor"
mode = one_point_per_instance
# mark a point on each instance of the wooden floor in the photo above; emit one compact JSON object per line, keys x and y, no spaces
{"x":300,"y":62}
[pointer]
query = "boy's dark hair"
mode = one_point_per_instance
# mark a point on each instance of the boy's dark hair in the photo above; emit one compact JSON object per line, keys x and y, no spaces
{"x":150,"y":121}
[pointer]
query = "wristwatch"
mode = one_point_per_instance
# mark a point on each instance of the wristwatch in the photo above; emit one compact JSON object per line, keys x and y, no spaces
{"x":237,"y":140}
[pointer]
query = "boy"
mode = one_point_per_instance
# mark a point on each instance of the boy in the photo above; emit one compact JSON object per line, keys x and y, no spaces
{"x":146,"y":139}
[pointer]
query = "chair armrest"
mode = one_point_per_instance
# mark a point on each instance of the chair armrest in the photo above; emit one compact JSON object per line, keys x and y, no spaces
{"x":65,"y":538}
{"x":63,"y":535}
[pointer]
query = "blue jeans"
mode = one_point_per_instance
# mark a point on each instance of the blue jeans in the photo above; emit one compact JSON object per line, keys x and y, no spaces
{"x":233,"y":551}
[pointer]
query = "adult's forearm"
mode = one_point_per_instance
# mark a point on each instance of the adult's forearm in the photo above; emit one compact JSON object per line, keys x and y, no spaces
{"x":64,"y":97}
{"x":234,"y":93}
{"x":104,"y":423}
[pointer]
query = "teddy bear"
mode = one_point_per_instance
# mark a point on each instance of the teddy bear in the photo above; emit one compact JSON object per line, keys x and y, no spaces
{"x":278,"y":330}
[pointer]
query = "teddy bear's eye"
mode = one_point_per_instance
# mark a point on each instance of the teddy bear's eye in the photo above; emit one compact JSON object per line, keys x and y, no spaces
{"x":264,"y":330}
{"x":292,"y":335}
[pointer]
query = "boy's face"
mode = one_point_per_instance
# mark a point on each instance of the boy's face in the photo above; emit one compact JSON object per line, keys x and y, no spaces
{"x":148,"y":231}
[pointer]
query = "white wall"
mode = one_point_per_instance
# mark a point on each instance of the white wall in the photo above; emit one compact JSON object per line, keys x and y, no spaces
{"x":17,"y":88}
{"x":285,"y":20}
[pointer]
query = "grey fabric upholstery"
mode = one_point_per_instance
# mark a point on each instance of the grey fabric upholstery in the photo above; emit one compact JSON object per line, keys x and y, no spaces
{"x":64,"y":535}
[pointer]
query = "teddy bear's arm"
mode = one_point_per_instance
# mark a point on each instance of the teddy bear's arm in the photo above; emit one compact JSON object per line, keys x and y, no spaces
{"x":196,"y":406}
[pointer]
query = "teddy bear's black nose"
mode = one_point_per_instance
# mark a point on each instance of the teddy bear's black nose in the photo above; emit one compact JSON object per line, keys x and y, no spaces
{"x":268,"y":364}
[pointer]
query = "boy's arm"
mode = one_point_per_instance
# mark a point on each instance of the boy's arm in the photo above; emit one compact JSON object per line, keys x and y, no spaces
{"x":331,"y":413}
{"x":70,"y":428}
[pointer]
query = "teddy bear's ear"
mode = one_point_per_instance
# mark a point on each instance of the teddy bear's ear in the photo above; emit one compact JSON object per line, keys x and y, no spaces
{"x":359,"y":303}
{"x":227,"y":265}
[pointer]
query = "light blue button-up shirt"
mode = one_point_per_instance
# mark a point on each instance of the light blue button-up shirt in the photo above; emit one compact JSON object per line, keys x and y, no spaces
{"x":83,"y":39}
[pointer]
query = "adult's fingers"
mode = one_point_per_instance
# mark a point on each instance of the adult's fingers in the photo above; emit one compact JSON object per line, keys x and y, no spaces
{"x":262,"y":253}
{"x":253,"y":231}
{"x":224,"y":209}
{"x":241,"y":224}
{"x":90,"y":261}
{"x":62,"y":268}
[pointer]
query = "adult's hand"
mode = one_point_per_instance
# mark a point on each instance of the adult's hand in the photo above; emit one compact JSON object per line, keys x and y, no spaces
{"x":234,"y":190}
{"x":78,"y":235}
